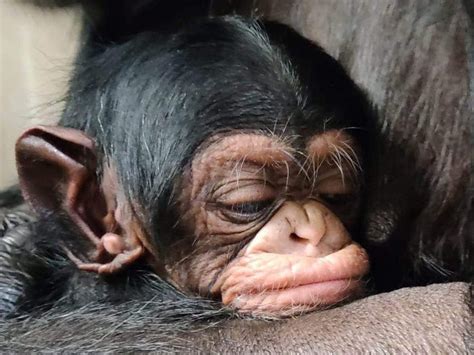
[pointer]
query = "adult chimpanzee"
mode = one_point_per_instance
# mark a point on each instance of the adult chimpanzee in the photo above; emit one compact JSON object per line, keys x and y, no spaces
{"x":273,"y":133}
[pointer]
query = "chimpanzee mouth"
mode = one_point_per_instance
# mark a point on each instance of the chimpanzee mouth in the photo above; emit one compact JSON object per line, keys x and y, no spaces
{"x":290,"y":301}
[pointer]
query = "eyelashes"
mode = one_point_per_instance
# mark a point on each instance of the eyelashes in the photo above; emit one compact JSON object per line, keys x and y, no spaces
{"x":246,"y":212}
{"x":249,"y":208}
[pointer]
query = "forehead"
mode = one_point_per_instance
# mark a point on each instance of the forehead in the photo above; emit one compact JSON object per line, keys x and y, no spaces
{"x":266,"y":150}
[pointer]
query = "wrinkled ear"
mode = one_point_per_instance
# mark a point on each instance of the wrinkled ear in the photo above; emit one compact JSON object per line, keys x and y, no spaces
{"x":57,"y":172}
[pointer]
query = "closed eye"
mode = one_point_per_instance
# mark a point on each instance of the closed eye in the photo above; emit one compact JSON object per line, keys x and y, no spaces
{"x":246,"y":212}
{"x":244,"y":201}
{"x":249,"y":208}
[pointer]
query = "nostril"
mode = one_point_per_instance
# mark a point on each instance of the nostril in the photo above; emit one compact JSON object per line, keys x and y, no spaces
{"x":296,"y":238}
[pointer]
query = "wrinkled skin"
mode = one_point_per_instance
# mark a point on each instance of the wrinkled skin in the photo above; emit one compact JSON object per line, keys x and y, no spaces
{"x":366,"y":37}
{"x":267,"y":232}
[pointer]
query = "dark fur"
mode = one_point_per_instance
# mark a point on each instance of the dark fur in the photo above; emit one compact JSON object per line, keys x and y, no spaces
{"x":419,"y":213}
{"x":150,"y":102}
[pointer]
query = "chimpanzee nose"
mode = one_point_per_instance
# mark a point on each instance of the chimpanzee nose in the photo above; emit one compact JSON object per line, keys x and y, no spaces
{"x":300,"y":228}
{"x":308,"y":223}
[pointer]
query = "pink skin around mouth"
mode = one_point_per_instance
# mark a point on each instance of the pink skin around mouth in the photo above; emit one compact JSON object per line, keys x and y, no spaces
{"x":309,"y":296}
{"x":321,"y":282}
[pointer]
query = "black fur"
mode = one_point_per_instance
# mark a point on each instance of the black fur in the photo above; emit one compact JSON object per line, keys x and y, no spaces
{"x":150,"y":102}
{"x":418,"y":219}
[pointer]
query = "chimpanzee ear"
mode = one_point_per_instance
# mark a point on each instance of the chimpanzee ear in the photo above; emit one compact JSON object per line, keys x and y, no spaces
{"x":57,"y":172}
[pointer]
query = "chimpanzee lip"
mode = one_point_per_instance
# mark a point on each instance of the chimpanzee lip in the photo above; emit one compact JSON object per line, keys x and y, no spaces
{"x":332,"y":268}
{"x":299,"y":281}
{"x":341,"y":284}
{"x":337,"y":289}
{"x":298,"y":299}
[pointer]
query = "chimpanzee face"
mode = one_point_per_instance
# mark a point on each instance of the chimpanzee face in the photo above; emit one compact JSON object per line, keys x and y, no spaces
{"x":266,"y":225}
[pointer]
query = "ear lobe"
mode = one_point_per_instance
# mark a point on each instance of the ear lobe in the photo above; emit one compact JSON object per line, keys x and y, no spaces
{"x":57,"y":172}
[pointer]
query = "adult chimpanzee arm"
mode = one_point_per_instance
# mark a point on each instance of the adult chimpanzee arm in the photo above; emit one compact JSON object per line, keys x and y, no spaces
{"x":378,"y":324}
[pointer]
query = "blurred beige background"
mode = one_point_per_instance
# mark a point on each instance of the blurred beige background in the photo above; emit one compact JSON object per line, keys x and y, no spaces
{"x":37,"y":46}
